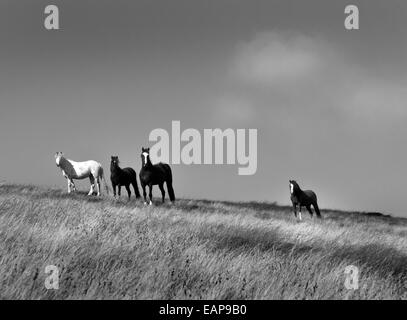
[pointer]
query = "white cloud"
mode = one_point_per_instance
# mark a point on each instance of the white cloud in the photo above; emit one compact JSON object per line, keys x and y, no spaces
{"x":378,"y":101}
{"x":272,"y":58}
{"x":233,"y":110}
{"x":313,"y":74}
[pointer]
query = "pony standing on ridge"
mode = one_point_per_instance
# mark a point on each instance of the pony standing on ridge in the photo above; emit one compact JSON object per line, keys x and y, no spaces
{"x":155,"y":174}
{"x":123,"y":177}
{"x":304,"y":198}
{"x":81,"y":170}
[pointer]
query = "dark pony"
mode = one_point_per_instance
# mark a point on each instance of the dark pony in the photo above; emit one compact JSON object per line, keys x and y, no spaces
{"x":304,"y":198}
{"x":151,"y":175}
{"x":123,"y":177}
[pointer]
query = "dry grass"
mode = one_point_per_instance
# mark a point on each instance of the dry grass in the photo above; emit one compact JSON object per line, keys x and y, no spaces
{"x":195,"y":249}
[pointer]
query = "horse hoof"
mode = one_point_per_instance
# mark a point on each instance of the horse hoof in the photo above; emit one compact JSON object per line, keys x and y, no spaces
{"x":150,"y":203}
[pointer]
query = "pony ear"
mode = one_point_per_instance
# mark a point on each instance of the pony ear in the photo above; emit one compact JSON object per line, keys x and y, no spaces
{"x":142,"y":149}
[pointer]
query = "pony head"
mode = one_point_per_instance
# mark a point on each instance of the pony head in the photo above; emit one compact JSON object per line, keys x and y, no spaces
{"x":114,"y":161}
{"x":145,"y":154}
{"x":58,"y":156}
{"x":293,"y":186}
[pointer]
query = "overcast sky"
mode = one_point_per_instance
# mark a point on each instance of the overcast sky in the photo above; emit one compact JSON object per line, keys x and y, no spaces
{"x":329,"y":104}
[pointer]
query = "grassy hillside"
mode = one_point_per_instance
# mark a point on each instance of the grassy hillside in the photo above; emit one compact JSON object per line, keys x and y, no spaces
{"x":194,"y":249}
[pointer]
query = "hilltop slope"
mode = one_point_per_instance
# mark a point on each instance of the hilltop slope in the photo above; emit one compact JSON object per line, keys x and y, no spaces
{"x":195,"y":249}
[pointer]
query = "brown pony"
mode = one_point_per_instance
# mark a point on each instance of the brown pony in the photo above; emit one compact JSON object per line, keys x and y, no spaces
{"x":122,"y":177}
{"x":155,"y":174}
{"x":302,"y":198}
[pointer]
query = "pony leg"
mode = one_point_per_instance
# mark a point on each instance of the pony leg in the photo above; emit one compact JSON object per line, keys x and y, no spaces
{"x":72,"y":185}
{"x":150,"y":195}
{"x":119,"y":190}
{"x":135,"y":186}
{"x":136,"y":191}
{"x":295,"y":210}
{"x":310,"y":210}
{"x":92,"y":185}
{"x":114,"y":190}
{"x":91,"y":190}
{"x":299,"y":213}
{"x":162,"y":191}
{"x":128,"y":191}
{"x":97,"y":185}
{"x":69,"y":185}
{"x":143,"y":186}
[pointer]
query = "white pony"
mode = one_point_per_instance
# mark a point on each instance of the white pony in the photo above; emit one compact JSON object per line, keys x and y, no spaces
{"x":81,"y":170}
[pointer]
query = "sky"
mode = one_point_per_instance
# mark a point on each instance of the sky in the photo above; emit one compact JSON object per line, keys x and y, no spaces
{"x":329,"y":104}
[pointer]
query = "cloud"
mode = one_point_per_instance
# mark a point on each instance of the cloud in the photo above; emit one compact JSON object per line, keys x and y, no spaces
{"x":272,"y":58}
{"x":311,"y":73}
{"x":233,"y":110}
{"x":378,"y":101}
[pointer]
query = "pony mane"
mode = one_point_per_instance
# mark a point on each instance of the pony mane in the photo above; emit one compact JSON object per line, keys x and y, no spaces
{"x":296,"y":185}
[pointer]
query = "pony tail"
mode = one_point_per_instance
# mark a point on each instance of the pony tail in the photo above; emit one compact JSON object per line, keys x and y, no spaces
{"x":135,"y":186}
{"x":317,"y":210}
{"x":171,"y":193}
{"x":104,"y":182}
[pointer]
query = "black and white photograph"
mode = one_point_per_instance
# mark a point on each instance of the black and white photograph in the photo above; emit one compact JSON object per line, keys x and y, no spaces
{"x":203,"y":150}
